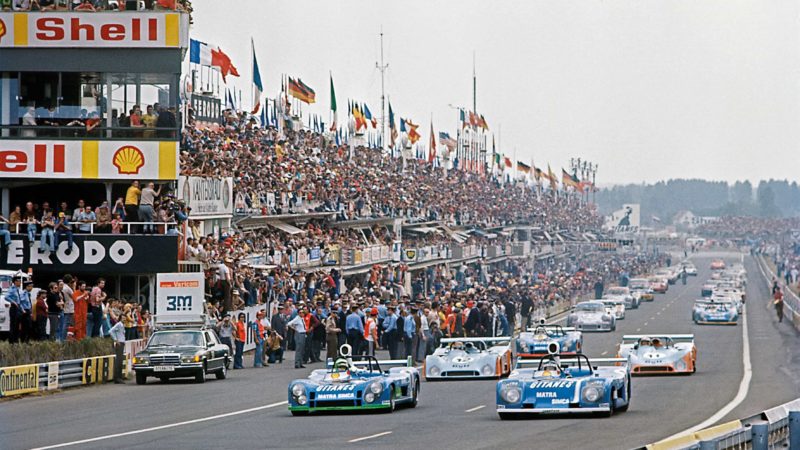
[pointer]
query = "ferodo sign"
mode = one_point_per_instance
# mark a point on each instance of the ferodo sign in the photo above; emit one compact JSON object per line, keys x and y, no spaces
{"x":107,"y":254}
{"x":19,"y":380}
{"x":107,"y":160}
{"x":62,"y":29}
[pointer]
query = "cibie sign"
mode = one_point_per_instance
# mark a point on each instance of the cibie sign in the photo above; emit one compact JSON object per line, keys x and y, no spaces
{"x":109,"y":160}
{"x":112,"y":29}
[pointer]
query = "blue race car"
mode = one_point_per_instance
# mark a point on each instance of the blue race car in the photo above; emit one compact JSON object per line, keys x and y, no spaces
{"x":365,"y":384}
{"x":714,"y":312}
{"x":557,"y":384}
{"x":536,"y":340}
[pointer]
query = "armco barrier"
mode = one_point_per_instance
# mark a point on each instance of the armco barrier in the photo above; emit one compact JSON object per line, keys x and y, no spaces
{"x":31,"y":378}
{"x":774,"y":428}
{"x":791,"y":302}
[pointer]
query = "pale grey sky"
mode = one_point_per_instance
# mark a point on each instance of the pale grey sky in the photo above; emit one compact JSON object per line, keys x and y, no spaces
{"x":648,"y":89}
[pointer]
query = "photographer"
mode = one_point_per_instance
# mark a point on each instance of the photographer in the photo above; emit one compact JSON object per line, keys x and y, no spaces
{"x":274,"y":347}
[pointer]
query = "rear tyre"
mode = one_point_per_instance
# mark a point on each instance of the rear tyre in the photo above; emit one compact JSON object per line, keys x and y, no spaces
{"x":415,"y":395}
{"x":141,"y":378}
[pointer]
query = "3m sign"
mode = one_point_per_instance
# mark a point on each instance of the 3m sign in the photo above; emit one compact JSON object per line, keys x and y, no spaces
{"x":105,"y":160}
{"x":180,"y":297}
{"x":112,"y":29}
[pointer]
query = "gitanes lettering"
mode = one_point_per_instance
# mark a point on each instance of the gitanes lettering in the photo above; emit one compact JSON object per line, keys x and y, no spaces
{"x":553,"y":384}
{"x":336,"y":387}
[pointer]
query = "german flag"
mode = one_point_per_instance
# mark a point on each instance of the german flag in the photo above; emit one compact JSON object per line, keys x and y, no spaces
{"x":301,"y":91}
{"x":522,"y":167}
{"x":568,"y":180}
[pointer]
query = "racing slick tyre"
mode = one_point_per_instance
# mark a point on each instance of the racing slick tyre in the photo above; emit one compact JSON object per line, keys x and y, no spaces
{"x":415,"y":395}
{"x":200,"y":376}
{"x":506,"y":416}
{"x":222,"y":373}
{"x":299,"y":413}
{"x":614,"y":327}
{"x":141,"y":378}
{"x":392,"y":404}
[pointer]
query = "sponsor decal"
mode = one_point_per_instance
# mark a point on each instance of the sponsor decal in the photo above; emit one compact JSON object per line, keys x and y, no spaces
{"x":336,"y":387}
{"x":2,"y":30}
{"x":52,"y":376}
{"x":207,"y":196}
{"x":343,"y":396}
{"x":560,"y":401}
{"x":98,"y":369}
{"x":546,"y":394}
{"x":552,"y":384}
{"x":19,"y":380}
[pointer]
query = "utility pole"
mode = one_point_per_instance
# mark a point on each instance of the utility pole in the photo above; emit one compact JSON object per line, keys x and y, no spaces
{"x":382,"y":68}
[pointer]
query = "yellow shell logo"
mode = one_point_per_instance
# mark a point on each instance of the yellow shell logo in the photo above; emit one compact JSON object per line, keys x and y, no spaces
{"x":128,"y":160}
{"x":2,"y":30}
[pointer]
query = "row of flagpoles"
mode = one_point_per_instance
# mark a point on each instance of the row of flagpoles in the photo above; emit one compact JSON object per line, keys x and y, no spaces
{"x":467,"y":151}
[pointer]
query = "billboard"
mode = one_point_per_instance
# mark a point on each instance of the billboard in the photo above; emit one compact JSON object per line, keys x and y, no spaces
{"x":19,"y":380}
{"x":180,"y":297}
{"x":625,"y":220}
{"x":57,"y":29}
{"x":82,"y":160}
{"x":109,"y":254}
{"x":208,"y":197}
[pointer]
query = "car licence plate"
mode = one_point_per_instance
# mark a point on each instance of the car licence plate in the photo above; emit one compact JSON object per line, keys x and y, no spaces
{"x":163,"y":368}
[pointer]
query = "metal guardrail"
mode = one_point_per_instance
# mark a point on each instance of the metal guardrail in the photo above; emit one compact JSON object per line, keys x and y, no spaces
{"x":29,"y":378}
{"x":791,"y":302}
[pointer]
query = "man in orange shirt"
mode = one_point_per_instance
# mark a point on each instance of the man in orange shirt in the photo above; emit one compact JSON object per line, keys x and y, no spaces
{"x":240,"y":337}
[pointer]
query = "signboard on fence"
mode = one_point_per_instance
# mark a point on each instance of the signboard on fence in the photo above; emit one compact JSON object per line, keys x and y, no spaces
{"x":19,"y":380}
{"x":180,"y":297}
{"x":208,"y":197}
{"x":98,"y":369}
{"x":52,"y":376}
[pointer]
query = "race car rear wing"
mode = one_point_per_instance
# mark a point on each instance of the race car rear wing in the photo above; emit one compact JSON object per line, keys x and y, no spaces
{"x":571,"y":361}
{"x":551,"y":327}
{"x":632,"y":338}
{"x":408,"y":362}
{"x":476,"y":339}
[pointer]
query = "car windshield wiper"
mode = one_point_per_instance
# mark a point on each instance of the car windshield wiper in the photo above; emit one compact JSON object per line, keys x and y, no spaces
{"x":159,"y":345}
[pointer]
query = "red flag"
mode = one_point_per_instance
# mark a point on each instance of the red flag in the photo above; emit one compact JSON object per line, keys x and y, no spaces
{"x":223,"y":61}
{"x":508,"y":161}
{"x":432,"y":148}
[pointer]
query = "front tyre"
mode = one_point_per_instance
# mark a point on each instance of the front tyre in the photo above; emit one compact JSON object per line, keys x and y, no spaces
{"x":141,"y":378}
{"x":222,"y":373}
{"x":506,"y":416}
{"x":415,"y":395}
{"x":200,"y":376}
{"x":299,"y":413}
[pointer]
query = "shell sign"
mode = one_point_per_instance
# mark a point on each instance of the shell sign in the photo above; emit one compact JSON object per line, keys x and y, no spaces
{"x":128,"y":160}
{"x":2,"y":30}
{"x":99,"y":160}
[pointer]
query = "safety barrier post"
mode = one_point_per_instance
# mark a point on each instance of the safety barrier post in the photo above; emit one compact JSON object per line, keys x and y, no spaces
{"x":760,"y":436}
{"x":794,"y":429}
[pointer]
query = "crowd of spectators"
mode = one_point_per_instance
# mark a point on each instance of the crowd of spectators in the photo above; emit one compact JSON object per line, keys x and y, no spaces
{"x":94,"y":5}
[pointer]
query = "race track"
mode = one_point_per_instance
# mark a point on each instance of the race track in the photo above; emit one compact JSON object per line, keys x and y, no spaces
{"x":248,"y":410}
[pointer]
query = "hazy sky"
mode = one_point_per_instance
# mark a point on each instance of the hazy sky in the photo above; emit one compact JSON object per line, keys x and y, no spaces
{"x":648,"y":89}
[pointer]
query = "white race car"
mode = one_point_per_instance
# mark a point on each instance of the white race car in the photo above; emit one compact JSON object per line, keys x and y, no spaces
{"x":459,"y":358}
{"x":591,"y":316}
{"x":615,"y":307}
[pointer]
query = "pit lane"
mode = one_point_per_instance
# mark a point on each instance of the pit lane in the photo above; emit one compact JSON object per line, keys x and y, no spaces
{"x":458,"y":414}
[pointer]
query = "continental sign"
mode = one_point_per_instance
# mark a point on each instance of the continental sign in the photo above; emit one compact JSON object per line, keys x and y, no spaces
{"x":115,"y":30}
{"x":105,"y":160}
{"x":19,"y":380}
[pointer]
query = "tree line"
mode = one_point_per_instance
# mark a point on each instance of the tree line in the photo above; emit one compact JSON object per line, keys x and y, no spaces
{"x":663,"y":200}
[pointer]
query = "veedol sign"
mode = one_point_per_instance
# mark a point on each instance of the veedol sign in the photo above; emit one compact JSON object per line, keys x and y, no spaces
{"x":106,"y":254}
{"x":109,"y":160}
{"x":207,"y":196}
{"x":115,"y":30}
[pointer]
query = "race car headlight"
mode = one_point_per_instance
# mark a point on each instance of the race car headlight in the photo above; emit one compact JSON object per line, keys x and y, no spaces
{"x":511,"y":393}
{"x":369,"y":397}
{"x":302,"y":400}
{"x":375,"y":388}
{"x":487,"y":370}
{"x":592,"y":393}
{"x":298,"y":390}
{"x":606,"y":318}
{"x":435,"y":371}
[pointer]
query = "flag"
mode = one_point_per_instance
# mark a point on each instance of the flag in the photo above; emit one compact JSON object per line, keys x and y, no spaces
{"x":402,"y":125}
{"x":497,"y":159}
{"x":483,"y":123}
{"x":230,"y":103}
{"x":333,"y":105}
{"x":263,"y":117}
{"x":301,"y":91}
{"x":432,"y":146}
{"x":537,"y":173}
{"x":473,"y":119}
{"x":552,"y":177}
{"x":522,"y":167}
{"x":393,"y":130}
{"x":569,"y":180}
{"x":463,"y":118}
{"x":447,"y":141}
{"x":368,"y":116}
{"x":223,"y":61}
{"x":413,"y":136}
{"x":361,"y":122}
{"x":257,"y":86}
{"x":508,"y":162}
{"x":199,"y":53}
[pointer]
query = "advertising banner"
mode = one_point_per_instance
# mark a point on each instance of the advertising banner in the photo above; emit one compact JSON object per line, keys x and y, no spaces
{"x":208,"y":197}
{"x":52,"y":376}
{"x":19,"y":380}
{"x":625,"y":220}
{"x":98,"y":369}
{"x":58,"y":29}
{"x":89,"y":160}
{"x":180,"y":297}
{"x":110,"y":254}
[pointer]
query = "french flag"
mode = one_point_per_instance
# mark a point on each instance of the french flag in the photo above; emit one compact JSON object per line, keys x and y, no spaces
{"x":257,"y":86}
{"x":199,"y":53}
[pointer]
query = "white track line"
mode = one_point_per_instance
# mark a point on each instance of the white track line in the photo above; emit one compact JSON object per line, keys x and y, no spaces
{"x":475,"y":408}
{"x":163,"y":427}
{"x":369,"y":437}
{"x":744,"y":385}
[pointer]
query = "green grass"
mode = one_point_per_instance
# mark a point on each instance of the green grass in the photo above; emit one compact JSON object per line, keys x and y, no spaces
{"x":37,"y":352}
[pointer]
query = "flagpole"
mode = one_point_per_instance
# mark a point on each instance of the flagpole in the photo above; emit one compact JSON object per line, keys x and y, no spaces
{"x":252,"y":72}
{"x":382,"y":67}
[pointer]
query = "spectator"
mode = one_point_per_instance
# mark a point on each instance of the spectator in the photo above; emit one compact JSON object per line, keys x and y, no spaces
{"x":55,"y":310}
{"x":146,"y":204}
{"x":225,"y":330}
{"x":97,"y":298}
{"x":132,"y":196}
{"x":68,"y":295}
{"x":63,"y":228}
{"x":240,"y":338}
{"x":40,"y":315}
{"x":86,"y":218}
{"x":47,"y":242}
{"x":81,"y":300}
{"x":103,"y":215}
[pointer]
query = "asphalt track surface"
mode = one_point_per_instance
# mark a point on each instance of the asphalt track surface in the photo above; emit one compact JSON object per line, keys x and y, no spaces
{"x":248,"y":409}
